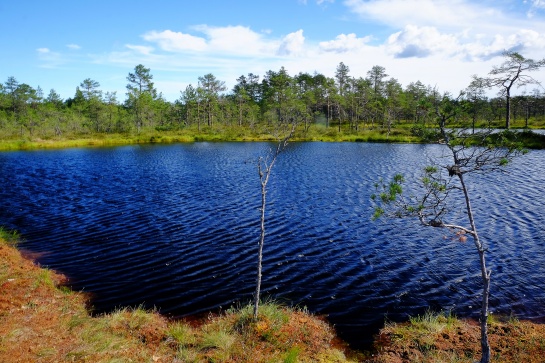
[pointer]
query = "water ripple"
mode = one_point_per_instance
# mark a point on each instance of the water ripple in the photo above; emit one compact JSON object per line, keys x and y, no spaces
{"x":177,"y":227}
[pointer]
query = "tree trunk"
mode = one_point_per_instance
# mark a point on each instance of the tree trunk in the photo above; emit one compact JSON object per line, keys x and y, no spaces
{"x":508,"y":110}
{"x":209,"y":115}
{"x":199,"y":117}
{"x":485,"y":276}
{"x":240,"y":113}
{"x":257,"y":293}
{"x":339,"y":115}
{"x":527,"y":115}
{"x":327,"y":116}
{"x":264,"y":168}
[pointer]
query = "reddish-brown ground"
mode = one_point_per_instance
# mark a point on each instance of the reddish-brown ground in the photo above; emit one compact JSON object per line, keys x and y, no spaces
{"x":40,"y":322}
{"x":511,"y":341}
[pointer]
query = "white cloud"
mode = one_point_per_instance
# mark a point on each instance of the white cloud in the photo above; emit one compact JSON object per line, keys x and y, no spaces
{"x":176,"y":41}
{"x":230,"y":40}
{"x":440,"y":43}
{"x":535,"y":7}
{"x":142,"y":49}
{"x":319,"y":2}
{"x":49,"y":58}
{"x":421,"y":42}
{"x":73,"y":46}
{"x":528,"y":42}
{"x":292,"y":44}
{"x":344,"y":43}
{"x":234,"y":40}
{"x":466,"y":29}
{"x":440,"y":13}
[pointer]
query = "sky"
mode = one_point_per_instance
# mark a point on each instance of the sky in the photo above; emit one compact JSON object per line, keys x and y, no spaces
{"x":56,"y":44}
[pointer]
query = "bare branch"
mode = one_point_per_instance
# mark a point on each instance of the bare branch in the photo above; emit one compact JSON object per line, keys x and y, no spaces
{"x":264,"y":168}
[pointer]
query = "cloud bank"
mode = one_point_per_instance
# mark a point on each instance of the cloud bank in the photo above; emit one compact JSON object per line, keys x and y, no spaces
{"x":437,"y":42}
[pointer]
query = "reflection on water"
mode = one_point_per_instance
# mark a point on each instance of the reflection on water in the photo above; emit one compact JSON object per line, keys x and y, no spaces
{"x":177,"y":226}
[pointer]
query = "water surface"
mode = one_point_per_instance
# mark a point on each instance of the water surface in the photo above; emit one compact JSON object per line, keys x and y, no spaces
{"x":177,"y":227}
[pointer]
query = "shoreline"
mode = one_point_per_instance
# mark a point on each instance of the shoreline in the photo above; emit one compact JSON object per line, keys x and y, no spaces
{"x":530,"y":139}
{"x":54,"y":324}
{"x":41,"y":320}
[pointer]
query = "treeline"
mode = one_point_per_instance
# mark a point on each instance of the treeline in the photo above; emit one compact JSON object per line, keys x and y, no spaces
{"x":346,"y":103}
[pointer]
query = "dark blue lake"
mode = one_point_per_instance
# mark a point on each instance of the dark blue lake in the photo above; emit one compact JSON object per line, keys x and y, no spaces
{"x":177,"y":227}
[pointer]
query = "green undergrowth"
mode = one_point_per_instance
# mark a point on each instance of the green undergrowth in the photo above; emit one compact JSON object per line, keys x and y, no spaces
{"x":399,"y":133}
{"x":206,"y":135}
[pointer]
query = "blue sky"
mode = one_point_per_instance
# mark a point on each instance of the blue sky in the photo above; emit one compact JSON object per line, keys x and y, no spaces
{"x":57,"y":44}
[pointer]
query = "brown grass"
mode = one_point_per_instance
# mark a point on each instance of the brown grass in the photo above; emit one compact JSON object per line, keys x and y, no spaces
{"x":40,"y":321}
{"x":438,"y":338}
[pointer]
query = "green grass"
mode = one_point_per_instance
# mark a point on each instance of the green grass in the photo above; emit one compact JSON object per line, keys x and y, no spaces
{"x":431,"y":322}
{"x":182,"y":333}
{"x":9,"y":237}
{"x":209,"y":134}
{"x":221,"y":340}
{"x":532,"y":140}
{"x":292,"y":355}
{"x":44,"y":278}
{"x":401,"y":133}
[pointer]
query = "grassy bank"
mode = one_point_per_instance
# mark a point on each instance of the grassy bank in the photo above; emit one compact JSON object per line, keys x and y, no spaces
{"x":229,"y":134}
{"x":434,"y":338}
{"x":216,"y":134}
{"x":40,"y":321}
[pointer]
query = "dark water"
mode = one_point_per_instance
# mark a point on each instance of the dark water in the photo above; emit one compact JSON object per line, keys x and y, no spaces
{"x":177,"y":227}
